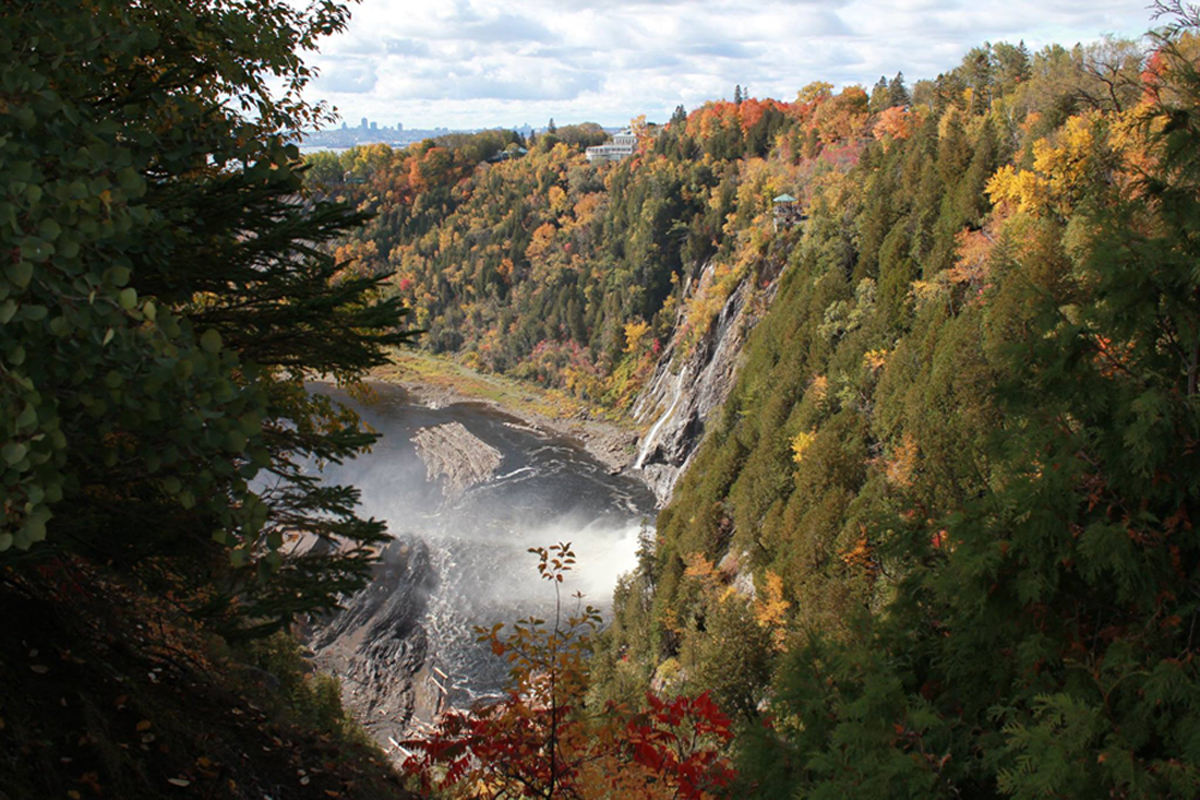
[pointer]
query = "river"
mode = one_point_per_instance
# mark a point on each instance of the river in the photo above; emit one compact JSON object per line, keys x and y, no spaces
{"x":474,"y":566}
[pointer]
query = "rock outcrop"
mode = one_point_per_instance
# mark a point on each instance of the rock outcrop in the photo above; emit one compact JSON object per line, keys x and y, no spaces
{"x":688,"y":387}
{"x":379,"y":648}
{"x":452,"y":452}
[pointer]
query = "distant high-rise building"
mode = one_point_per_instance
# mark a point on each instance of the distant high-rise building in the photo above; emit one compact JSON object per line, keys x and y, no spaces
{"x":399,"y":126}
{"x":364,"y":123}
{"x":374,"y":126}
{"x":343,"y":126}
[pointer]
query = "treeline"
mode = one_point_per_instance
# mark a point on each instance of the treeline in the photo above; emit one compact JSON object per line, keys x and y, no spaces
{"x":524,"y":259}
{"x":532,"y":262}
{"x":939,"y":542}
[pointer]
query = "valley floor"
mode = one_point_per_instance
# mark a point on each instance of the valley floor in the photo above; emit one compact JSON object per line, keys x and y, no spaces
{"x":436,"y":381}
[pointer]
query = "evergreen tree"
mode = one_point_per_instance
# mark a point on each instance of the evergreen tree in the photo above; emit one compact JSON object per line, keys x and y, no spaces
{"x":1012,"y":64}
{"x":880,"y":98}
{"x":169,"y":298}
{"x":1041,"y":639}
{"x":977,"y":68}
{"x":737,"y":94}
{"x":897,"y":92}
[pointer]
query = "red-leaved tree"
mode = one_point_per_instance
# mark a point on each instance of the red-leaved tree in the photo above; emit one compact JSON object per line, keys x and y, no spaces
{"x":541,"y":741}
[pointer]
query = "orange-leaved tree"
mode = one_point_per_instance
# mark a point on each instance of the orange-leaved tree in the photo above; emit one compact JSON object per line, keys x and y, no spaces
{"x":541,"y":740}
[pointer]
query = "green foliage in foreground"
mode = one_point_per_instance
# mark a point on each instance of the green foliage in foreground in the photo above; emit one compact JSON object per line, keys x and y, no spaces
{"x":164,"y":296}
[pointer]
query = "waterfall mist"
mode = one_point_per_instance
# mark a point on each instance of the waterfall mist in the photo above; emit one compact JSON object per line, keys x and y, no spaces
{"x":460,"y":558}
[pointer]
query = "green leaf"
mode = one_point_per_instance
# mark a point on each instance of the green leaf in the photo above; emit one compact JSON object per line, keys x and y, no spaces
{"x":127,"y":298}
{"x":27,"y":418}
{"x":49,"y":229}
{"x":20,"y":273}
{"x":235,"y":441}
{"x":13,"y":452}
{"x":129,"y":180}
{"x":35,"y":525}
{"x":211,"y":341}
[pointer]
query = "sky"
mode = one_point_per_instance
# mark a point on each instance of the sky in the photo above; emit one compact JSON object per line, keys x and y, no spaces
{"x":485,"y":63}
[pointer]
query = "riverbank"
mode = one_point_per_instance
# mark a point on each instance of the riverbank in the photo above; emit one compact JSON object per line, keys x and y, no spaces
{"x":436,"y":381}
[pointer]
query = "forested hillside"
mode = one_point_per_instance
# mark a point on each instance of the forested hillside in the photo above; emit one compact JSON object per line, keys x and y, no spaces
{"x":940,"y":540}
{"x":545,"y":267}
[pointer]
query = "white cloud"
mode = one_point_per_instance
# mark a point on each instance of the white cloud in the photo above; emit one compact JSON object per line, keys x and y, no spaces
{"x":479,"y":63}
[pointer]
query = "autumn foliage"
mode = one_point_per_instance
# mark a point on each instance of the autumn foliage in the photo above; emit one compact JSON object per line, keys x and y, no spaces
{"x":543,"y":741}
{"x":959,"y":457}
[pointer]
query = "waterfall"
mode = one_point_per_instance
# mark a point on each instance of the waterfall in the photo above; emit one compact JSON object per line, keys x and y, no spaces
{"x":647,"y":446}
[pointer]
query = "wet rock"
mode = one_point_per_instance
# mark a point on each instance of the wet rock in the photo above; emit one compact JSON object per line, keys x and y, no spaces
{"x":688,"y":388}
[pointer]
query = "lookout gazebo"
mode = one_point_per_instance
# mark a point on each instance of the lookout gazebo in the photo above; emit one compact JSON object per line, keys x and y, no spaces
{"x":787,"y":212}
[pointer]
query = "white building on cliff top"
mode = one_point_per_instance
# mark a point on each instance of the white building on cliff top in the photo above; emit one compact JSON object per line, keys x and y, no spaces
{"x":622,"y":146}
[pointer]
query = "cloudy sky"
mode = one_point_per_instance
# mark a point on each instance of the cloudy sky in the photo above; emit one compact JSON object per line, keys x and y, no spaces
{"x":486,"y":63}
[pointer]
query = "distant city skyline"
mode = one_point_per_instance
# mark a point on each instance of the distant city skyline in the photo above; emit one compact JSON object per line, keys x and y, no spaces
{"x":483,"y":63}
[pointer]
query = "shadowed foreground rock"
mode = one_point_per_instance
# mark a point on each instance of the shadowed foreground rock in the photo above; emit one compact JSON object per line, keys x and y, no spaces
{"x":378,"y":646}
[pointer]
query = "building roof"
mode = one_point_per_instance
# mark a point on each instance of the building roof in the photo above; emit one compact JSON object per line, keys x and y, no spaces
{"x":784,"y":198}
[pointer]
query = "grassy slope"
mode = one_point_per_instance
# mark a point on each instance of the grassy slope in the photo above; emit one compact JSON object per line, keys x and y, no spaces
{"x":521,"y":398}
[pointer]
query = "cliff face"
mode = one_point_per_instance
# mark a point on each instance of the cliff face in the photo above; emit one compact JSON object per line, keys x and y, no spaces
{"x":687,"y":388}
{"x":378,"y":646}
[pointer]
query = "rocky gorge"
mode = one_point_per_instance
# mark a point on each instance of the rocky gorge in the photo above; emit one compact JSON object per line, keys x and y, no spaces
{"x":466,"y":489}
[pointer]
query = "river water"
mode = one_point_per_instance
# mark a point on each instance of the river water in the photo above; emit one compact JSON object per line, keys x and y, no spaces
{"x":547,"y":489}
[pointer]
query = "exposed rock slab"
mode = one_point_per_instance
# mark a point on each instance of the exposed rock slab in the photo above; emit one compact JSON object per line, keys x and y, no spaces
{"x":378,"y":645}
{"x":688,"y":388}
{"x":610,"y":443}
{"x":452,"y":452}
